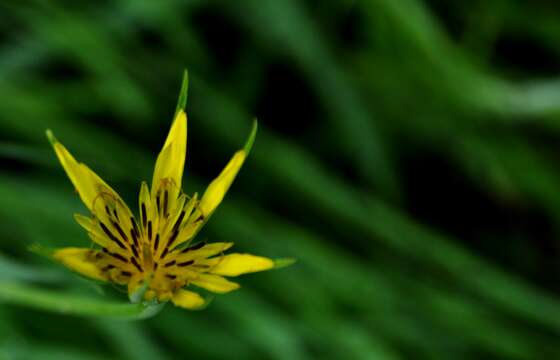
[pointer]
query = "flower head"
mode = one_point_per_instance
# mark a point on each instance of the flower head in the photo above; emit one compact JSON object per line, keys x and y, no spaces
{"x":154,"y":254}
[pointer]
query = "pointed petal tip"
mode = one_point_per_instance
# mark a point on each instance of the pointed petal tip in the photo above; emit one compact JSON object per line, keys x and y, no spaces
{"x":41,"y":250}
{"x":182,"y":101}
{"x":249,"y":144}
{"x":78,"y":261}
{"x":51,"y":137}
{"x":191,"y":300}
{"x":283,"y":262}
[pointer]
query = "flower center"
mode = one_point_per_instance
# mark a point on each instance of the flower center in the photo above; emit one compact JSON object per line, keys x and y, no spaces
{"x":156,"y":250}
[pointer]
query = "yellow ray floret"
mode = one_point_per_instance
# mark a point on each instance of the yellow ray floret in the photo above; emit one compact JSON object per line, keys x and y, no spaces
{"x":81,"y":261}
{"x":188,"y":299}
{"x":153,"y":254}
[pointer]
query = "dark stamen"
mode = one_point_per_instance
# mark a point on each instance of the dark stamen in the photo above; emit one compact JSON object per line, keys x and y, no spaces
{"x":171,"y":263}
{"x":144,"y":216}
{"x":186,"y":263}
{"x":134,"y":226}
{"x":156,"y":243}
{"x":134,"y":237}
{"x":120,"y":230}
{"x":116,"y":256}
{"x":172,"y":238}
{"x":111,"y":236}
{"x":202,"y":266}
{"x":193,"y":247}
{"x":135,"y":263}
{"x":135,"y":251}
{"x":179,"y":221}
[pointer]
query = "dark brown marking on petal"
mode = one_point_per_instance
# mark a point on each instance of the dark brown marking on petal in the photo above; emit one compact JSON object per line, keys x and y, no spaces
{"x":126,"y":273}
{"x":171,"y":263}
{"x":170,"y":276}
{"x":150,"y":230}
{"x":186,"y":263}
{"x":116,"y":214}
{"x":165,"y":251}
{"x":108,"y":267}
{"x":144,"y":215}
{"x":111,"y":236}
{"x":156,"y":266}
{"x":135,"y":263}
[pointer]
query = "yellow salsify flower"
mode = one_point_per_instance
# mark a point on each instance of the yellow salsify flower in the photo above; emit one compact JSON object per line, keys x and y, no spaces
{"x":154,"y":256}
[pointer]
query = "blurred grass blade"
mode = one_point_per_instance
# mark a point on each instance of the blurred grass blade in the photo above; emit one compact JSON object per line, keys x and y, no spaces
{"x":14,"y":271}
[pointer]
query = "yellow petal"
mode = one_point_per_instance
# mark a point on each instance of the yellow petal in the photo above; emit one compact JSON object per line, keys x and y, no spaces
{"x":80,"y":260}
{"x":87,"y":183}
{"x":215,"y":283}
{"x":238,"y":264}
{"x":204,"y":252}
{"x":187,"y":233}
{"x":188,"y":299}
{"x":171,"y":160}
{"x":217,"y":189}
{"x":94,"y":233}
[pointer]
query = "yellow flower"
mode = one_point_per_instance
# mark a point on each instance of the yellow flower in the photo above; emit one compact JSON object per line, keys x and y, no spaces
{"x":154,"y":255}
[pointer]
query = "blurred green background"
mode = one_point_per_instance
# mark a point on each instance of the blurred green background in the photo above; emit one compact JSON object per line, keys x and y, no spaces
{"x":407,"y":157}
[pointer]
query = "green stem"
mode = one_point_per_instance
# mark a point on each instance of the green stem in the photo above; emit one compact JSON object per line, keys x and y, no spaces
{"x":50,"y":300}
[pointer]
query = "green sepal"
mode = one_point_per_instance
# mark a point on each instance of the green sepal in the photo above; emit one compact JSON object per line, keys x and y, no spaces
{"x":42,"y":250}
{"x":51,"y":137}
{"x":138,"y":295}
{"x":249,"y":144}
{"x":182,"y":101}
{"x":283,"y":262}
